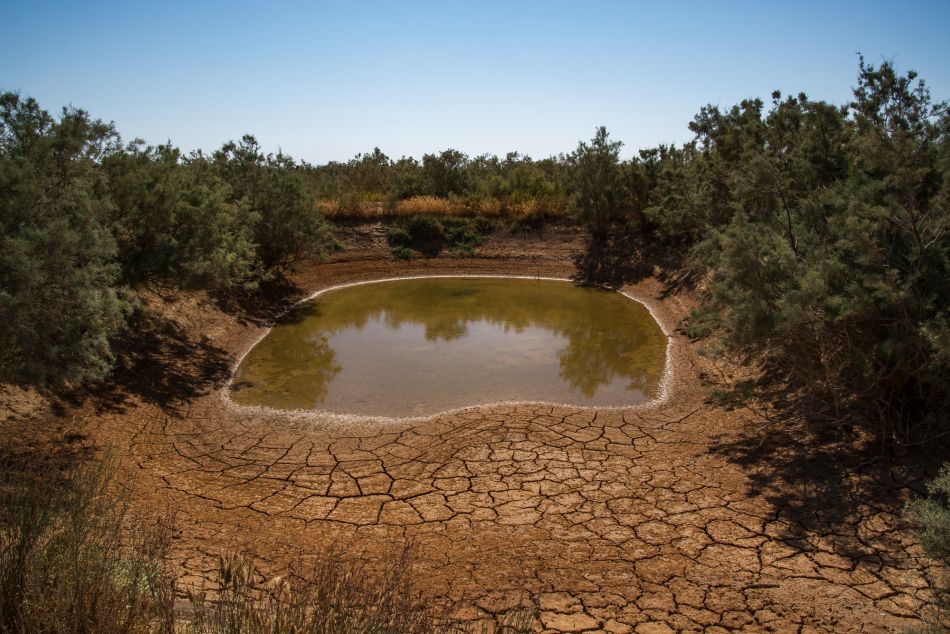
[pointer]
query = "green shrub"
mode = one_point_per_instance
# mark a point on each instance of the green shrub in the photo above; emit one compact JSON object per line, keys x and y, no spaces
{"x":700,"y":323}
{"x":427,"y":234}
{"x":398,"y":236}
{"x":402,"y":253}
{"x":423,"y":233}
{"x":931,"y":516}
{"x":484,"y":225}
{"x":399,"y":243}
{"x":462,"y":235}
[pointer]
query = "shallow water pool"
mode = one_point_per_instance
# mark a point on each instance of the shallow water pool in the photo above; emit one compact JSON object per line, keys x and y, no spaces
{"x":421,"y":346}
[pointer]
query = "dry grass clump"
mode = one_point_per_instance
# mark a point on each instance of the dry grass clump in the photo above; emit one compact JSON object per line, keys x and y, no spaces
{"x":351,"y":207}
{"x":447,"y":206}
{"x":68,"y":565}
{"x":75,"y":560}
{"x":534,"y":208}
{"x":343,"y":210}
{"x":329,"y":208}
{"x":330,"y":595}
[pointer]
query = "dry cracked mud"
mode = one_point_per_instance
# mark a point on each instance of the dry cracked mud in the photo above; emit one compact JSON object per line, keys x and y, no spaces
{"x":675,"y":518}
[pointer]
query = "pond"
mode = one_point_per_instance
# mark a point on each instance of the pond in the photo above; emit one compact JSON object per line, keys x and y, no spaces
{"x":420,"y":346}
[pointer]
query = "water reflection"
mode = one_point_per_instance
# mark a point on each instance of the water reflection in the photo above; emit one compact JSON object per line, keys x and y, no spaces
{"x":421,"y":346}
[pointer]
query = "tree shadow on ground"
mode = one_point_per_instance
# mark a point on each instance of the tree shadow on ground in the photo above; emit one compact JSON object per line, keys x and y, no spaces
{"x":259,"y":306}
{"x":824,"y":480}
{"x":624,"y":257}
{"x":157,"y":363}
{"x":36,"y":444}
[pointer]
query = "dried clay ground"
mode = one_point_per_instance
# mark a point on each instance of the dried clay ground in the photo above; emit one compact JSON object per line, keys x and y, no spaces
{"x":686,"y":517}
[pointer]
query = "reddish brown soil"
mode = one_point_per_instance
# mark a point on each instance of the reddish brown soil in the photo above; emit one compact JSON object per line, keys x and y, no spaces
{"x":674,"y":518}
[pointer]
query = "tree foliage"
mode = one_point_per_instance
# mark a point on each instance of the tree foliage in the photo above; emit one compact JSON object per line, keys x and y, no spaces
{"x":447,"y":174}
{"x":177,"y":223}
{"x":286,"y":226}
{"x":823,"y":230}
{"x":58,"y":301}
{"x":599,"y":195}
{"x":85,"y":219}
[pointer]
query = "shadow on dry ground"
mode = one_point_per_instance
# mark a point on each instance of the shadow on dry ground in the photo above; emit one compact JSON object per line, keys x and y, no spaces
{"x":261,"y":305}
{"x":37,"y":447}
{"x":824,"y":482}
{"x":157,"y":363}
{"x":626,"y":259}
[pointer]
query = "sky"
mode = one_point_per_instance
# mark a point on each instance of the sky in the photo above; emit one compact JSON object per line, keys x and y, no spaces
{"x":323,"y":81}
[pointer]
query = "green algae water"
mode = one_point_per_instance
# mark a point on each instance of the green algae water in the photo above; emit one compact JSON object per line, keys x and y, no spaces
{"x":421,"y":346}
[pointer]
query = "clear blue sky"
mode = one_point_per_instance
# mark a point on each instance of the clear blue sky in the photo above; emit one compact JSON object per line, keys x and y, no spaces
{"x":325,"y":80}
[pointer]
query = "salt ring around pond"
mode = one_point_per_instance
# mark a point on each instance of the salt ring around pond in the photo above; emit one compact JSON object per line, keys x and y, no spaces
{"x":415,"y":347}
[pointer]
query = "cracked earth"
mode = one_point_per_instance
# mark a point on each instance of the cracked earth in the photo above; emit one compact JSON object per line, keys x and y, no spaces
{"x":654,"y":520}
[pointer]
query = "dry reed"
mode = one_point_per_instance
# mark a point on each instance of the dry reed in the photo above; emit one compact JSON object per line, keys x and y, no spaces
{"x":68,"y":561}
{"x":328,"y":596}
{"x":75,"y":560}
{"x":452,"y":206}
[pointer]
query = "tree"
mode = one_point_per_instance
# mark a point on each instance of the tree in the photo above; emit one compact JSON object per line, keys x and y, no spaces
{"x":369,"y":173}
{"x":406,"y":178}
{"x":175,"y":222}
{"x":287,"y":225}
{"x":444,"y":174}
{"x":823,"y":231}
{"x":59,"y":304}
{"x":599,"y":196}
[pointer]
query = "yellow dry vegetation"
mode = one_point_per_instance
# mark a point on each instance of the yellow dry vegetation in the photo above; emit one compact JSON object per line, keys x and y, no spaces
{"x":460,"y":207}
